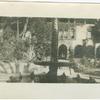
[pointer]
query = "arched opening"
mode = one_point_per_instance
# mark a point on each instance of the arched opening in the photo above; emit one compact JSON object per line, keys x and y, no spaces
{"x":98,"y":52}
{"x":78,"y":53}
{"x":62,"y":52}
{"x":90,"y":51}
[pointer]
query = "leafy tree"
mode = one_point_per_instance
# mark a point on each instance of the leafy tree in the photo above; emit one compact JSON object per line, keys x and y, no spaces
{"x":14,"y":30}
{"x":42,"y":31}
{"x":95,"y":32}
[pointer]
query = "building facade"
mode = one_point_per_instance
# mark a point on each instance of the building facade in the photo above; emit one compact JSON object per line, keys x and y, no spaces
{"x":76,"y":36}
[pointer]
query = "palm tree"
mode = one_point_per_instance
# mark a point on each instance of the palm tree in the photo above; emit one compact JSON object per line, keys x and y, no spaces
{"x":54,"y":52}
{"x":95,"y":33}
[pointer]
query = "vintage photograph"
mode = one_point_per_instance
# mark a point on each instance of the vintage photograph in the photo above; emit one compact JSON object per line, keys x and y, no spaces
{"x":49,"y":50}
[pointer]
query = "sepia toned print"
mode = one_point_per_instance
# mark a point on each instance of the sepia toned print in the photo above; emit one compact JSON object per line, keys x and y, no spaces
{"x":49,"y":50}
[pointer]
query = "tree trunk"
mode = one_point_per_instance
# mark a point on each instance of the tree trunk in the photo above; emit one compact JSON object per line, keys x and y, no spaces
{"x":94,"y":44}
{"x":16,"y":61}
{"x":17,"y":29}
{"x":17,"y":66}
{"x":54,"y":52}
{"x":25,"y":28}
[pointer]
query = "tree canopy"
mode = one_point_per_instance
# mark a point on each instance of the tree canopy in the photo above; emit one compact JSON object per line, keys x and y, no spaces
{"x":95,"y":32}
{"x":20,"y":35}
